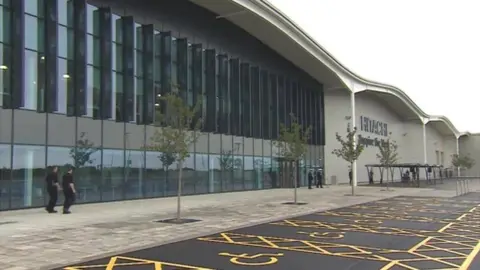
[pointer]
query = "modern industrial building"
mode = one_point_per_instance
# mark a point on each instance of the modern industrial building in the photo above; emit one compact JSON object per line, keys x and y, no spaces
{"x":80,"y":82}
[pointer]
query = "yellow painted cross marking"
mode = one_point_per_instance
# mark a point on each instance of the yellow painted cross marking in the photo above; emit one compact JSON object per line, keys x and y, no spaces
{"x":325,"y":235}
{"x":114,"y":262}
{"x":241,"y":258}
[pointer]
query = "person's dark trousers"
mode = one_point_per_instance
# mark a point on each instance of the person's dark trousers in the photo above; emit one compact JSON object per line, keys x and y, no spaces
{"x":319,"y":182}
{"x":53,"y":196}
{"x":310,"y":180}
{"x":69,"y":199}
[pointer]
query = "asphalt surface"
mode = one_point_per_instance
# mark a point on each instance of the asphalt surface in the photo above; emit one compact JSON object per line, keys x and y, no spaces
{"x":397,"y":233}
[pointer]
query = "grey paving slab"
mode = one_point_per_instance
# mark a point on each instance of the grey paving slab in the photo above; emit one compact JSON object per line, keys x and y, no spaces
{"x":97,"y":230}
{"x":302,"y":243}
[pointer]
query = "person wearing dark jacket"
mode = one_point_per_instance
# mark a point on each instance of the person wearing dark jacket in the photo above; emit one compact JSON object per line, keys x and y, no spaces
{"x":310,"y":179}
{"x":52,"y":189}
{"x":319,"y":178}
{"x":68,"y":190}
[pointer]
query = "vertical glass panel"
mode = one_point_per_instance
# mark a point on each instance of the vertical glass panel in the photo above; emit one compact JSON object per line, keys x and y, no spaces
{"x":249,"y":173}
{"x":226,"y":160}
{"x":181,"y":62}
{"x":113,"y":175}
{"x":64,"y":85}
{"x":201,"y":168}
{"x":5,"y":157}
{"x":35,"y":8}
{"x":154,"y":175}
{"x":256,"y":125}
{"x":5,"y":73}
{"x":245,"y":99}
{"x":5,"y":25}
{"x":93,"y":91}
{"x":258,"y":167}
{"x":27,"y":188}
{"x":288,"y":90}
{"x":90,"y":19}
{"x":119,"y":96}
{"x":281,"y":100}
{"x":197,"y":73}
{"x":134,"y":174}
{"x":31,"y":78}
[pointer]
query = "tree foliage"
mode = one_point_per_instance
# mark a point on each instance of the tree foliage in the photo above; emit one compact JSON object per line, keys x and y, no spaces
{"x":465,"y":162}
{"x":82,"y":153}
{"x":348,"y":151}
{"x":387,"y":152}
{"x":179,"y":130}
{"x":292,"y":141}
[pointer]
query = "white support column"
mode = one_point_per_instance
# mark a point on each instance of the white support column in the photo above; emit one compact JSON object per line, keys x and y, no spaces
{"x":354,"y":165}
{"x":424,"y":128}
{"x":458,"y":152}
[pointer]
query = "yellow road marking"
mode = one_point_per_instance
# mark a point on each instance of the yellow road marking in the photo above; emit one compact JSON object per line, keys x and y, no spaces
{"x":470,"y":257}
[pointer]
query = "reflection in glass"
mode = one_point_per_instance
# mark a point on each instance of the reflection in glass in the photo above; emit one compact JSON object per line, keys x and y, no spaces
{"x":189,"y":175}
{"x":249,"y":173}
{"x":31,"y":34}
{"x":258,"y":166}
{"x":5,"y":74}
{"x":113,"y":175}
{"x":154,"y":175}
{"x":215,"y":183}
{"x":60,"y":157}
{"x":27,"y":186}
{"x":134,"y":174}
{"x":201,"y":168}
{"x":238,"y":180}
{"x":226,"y":163}
{"x":4,"y":176}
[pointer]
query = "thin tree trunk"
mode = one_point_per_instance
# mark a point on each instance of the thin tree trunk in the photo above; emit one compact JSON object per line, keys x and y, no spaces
{"x":388,"y":172}
{"x":351,"y":180}
{"x":295,"y":183}
{"x":179,"y":193}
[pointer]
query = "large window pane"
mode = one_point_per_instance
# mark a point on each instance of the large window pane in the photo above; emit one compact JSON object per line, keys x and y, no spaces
{"x":189,"y":175}
{"x":28,"y":176}
{"x":113,"y":175}
{"x":31,"y":78}
{"x":32,"y":32}
{"x":5,"y":25}
{"x":5,"y":156}
{"x":134,"y":174}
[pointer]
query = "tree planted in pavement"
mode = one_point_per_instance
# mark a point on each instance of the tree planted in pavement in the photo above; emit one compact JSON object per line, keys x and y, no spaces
{"x":180,"y":131}
{"x":292,"y":145}
{"x":349,"y":150}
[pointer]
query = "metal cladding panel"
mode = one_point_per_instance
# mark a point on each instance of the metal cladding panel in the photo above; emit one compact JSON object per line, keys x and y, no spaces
{"x":128,"y":50}
{"x":235,"y":96}
{"x":16,"y":99}
{"x":245,"y":100}
{"x":51,"y":44}
{"x":210,"y":91}
{"x":148,"y":71}
{"x":105,"y":63}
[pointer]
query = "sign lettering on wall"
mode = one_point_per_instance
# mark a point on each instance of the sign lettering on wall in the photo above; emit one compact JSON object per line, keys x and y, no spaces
{"x":373,"y":126}
{"x":367,"y":141}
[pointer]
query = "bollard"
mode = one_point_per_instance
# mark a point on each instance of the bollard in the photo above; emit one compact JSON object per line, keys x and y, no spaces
{"x":456,"y":188}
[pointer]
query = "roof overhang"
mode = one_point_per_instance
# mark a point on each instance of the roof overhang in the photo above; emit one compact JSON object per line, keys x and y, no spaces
{"x":268,"y":24}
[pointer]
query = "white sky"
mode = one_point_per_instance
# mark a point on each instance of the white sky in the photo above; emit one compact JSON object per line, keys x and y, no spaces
{"x":428,"y":48}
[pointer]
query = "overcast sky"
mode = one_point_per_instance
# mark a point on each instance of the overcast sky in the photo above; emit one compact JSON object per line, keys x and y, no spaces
{"x":428,"y":48}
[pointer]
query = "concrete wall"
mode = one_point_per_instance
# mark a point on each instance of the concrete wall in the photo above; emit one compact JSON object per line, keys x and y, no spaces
{"x":407,"y":134}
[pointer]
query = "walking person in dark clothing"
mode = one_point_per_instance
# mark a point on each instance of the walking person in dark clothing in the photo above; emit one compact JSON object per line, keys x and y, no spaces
{"x":319,"y":178}
{"x":52,"y":189}
{"x":68,"y":190}
{"x":310,"y":179}
{"x":350,"y":175}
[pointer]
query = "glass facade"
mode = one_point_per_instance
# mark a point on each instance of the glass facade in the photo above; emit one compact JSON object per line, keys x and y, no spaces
{"x":80,"y":85}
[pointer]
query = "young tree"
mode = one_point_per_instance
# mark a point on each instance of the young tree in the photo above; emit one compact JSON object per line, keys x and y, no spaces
{"x":174,"y":139}
{"x":388,"y":155}
{"x":349,"y":150}
{"x":462,"y":162}
{"x":292,"y":145}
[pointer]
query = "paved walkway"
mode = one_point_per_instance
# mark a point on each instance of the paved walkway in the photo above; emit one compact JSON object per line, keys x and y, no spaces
{"x":33,"y":239}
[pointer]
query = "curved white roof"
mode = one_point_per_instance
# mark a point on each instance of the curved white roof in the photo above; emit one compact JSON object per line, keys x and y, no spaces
{"x":268,"y":24}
